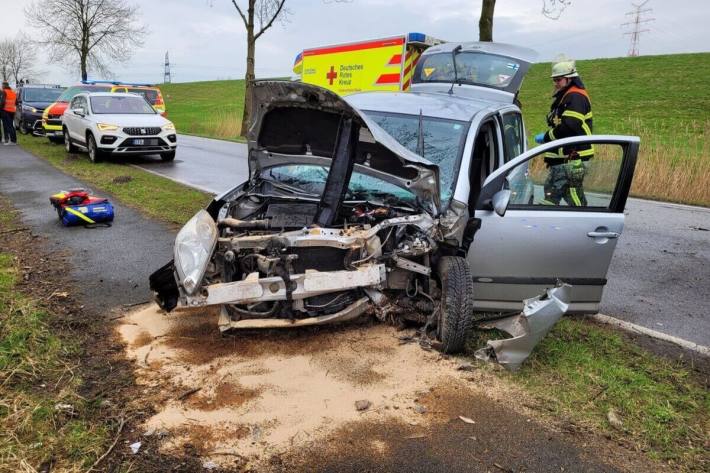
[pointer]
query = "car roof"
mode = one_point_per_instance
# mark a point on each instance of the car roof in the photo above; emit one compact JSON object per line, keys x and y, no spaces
{"x":439,"y":105}
{"x":501,"y":49}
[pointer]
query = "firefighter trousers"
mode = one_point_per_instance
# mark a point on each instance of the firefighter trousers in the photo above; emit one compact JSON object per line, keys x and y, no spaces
{"x":565,"y":182}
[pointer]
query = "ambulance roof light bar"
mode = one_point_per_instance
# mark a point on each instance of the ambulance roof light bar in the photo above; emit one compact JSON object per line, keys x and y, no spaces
{"x":423,"y":39}
{"x":114,"y":82}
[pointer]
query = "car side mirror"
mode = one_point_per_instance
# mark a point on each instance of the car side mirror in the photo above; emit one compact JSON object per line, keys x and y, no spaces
{"x":500,"y":201}
{"x":79,"y":111}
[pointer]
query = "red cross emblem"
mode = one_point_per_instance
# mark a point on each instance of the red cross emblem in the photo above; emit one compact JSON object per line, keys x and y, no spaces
{"x":331,"y":75}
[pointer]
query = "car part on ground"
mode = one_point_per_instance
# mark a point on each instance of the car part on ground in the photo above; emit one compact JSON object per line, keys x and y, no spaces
{"x":538,"y":317}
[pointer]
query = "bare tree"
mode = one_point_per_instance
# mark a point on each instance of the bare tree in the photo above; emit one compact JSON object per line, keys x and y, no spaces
{"x":6,"y":47}
{"x":87,"y":33}
{"x":258,"y":17}
{"x":553,"y":8}
{"x":23,"y":58}
{"x":550,"y":8}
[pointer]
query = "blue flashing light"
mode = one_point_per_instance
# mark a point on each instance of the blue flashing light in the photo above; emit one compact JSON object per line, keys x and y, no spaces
{"x":416,"y":37}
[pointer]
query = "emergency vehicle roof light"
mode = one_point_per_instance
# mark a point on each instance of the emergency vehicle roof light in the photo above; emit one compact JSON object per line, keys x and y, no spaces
{"x":91,"y":82}
{"x":416,"y":37}
{"x":116,"y":82}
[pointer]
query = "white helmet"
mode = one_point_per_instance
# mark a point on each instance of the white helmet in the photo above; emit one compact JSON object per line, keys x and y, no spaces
{"x":564,"y":69}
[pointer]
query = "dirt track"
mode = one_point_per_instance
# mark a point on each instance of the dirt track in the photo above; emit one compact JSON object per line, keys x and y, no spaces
{"x":284,"y":400}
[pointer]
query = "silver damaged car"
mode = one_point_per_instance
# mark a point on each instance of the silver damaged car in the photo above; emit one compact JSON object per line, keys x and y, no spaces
{"x":422,"y":206}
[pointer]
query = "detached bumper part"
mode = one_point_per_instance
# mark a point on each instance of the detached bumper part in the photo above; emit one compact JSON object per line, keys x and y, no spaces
{"x":165,"y":288}
{"x":539,"y":315}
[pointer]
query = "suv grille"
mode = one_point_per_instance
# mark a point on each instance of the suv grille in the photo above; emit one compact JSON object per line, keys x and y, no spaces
{"x":142,"y":131}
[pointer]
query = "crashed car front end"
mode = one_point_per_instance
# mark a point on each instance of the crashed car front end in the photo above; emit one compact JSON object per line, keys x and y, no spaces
{"x":324,"y":227}
{"x":337,"y":219}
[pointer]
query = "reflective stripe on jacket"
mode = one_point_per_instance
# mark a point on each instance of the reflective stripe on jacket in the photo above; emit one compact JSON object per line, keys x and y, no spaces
{"x":10,"y":99}
{"x":570,"y":115}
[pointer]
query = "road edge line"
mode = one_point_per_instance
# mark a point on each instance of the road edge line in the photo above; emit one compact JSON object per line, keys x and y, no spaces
{"x":638,"y":329}
{"x":179,"y":181}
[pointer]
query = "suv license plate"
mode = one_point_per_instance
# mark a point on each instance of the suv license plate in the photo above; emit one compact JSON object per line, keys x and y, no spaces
{"x":138,"y":141}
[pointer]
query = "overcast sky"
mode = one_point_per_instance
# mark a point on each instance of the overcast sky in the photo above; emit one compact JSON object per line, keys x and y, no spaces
{"x":206,"y":38}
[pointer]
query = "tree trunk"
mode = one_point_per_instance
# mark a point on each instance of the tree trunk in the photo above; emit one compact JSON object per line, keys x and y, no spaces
{"x":249,"y":76}
{"x":485,"y":24}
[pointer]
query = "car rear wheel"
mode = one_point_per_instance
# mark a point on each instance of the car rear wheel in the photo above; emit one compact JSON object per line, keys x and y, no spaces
{"x":94,"y":154}
{"x":456,"y":309}
{"x":168,"y":156}
{"x":68,"y":145}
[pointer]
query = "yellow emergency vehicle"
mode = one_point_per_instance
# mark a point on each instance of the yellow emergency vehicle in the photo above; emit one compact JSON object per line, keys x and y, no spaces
{"x":381,"y":64}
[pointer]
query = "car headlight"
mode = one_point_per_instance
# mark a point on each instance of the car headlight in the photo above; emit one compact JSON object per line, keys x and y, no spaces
{"x":106,"y":127}
{"x":193,"y":247}
{"x":27,"y":108}
{"x":170,"y":126}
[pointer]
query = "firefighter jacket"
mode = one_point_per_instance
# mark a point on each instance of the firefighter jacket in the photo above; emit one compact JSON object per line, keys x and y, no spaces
{"x":570,"y":115}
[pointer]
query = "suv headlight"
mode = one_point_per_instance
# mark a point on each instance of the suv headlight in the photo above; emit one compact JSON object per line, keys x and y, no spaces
{"x":193,"y":247}
{"x":27,"y":108}
{"x":170,"y":126}
{"x":106,"y":127}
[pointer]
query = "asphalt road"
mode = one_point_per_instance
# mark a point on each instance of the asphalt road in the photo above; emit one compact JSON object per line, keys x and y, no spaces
{"x":659,"y":277}
{"x":111,"y":265}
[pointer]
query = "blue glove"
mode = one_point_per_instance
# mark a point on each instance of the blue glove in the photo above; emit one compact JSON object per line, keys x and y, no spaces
{"x":540,"y":138}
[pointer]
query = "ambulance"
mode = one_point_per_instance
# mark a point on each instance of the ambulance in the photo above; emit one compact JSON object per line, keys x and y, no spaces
{"x":381,"y":64}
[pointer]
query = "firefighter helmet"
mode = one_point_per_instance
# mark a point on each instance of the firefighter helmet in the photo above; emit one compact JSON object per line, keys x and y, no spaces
{"x":564,"y":69}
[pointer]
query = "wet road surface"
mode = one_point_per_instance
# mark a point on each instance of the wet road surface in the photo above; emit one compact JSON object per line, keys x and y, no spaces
{"x":111,"y":264}
{"x":658,"y":277}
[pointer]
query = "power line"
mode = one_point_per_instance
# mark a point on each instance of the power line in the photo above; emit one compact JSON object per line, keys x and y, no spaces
{"x":166,"y":74}
{"x":637,"y":23}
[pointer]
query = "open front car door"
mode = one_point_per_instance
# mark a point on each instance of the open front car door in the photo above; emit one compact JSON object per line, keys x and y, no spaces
{"x":546,"y":219}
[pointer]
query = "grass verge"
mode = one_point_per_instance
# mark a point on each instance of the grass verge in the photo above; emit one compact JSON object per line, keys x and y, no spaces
{"x":155,"y":196}
{"x":211,"y":109}
{"x":44,"y":421}
{"x":582,"y":372}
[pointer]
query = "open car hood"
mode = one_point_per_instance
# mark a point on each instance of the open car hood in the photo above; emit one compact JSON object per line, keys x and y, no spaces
{"x":296,"y":123}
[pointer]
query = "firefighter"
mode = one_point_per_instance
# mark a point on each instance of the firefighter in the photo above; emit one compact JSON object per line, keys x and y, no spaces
{"x":8,"y":100}
{"x":570,"y":115}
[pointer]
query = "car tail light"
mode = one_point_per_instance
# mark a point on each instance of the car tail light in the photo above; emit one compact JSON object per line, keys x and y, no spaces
{"x":164,"y":114}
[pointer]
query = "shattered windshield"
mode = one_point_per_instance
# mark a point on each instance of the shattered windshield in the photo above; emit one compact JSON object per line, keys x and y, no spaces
{"x":443,"y":141}
{"x":310,"y":180}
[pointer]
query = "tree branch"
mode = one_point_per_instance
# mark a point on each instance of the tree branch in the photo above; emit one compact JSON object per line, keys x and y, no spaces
{"x":271,"y":22}
{"x":244,"y":18}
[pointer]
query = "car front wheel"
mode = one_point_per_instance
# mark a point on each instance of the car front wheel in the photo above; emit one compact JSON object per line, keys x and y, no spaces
{"x":456,"y":309}
{"x":68,"y":145}
{"x":94,"y":154}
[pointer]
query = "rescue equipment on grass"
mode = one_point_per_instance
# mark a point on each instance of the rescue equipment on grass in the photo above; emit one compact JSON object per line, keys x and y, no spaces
{"x":77,"y":207}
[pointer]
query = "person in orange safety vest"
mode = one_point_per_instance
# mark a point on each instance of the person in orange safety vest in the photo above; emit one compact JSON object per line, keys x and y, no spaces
{"x":8,"y":104}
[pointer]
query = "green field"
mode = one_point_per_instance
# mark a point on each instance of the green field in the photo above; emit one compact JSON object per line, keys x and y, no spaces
{"x":212,"y":109}
{"x":662,"y":99}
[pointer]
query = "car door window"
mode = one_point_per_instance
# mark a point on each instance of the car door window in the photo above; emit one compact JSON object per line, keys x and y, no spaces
{"x":74,"y":103}
{"x":562,"y":179}
{"x":513,"y":136}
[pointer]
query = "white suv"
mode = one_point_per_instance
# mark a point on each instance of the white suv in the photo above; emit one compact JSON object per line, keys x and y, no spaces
{"x":117,"y":124}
